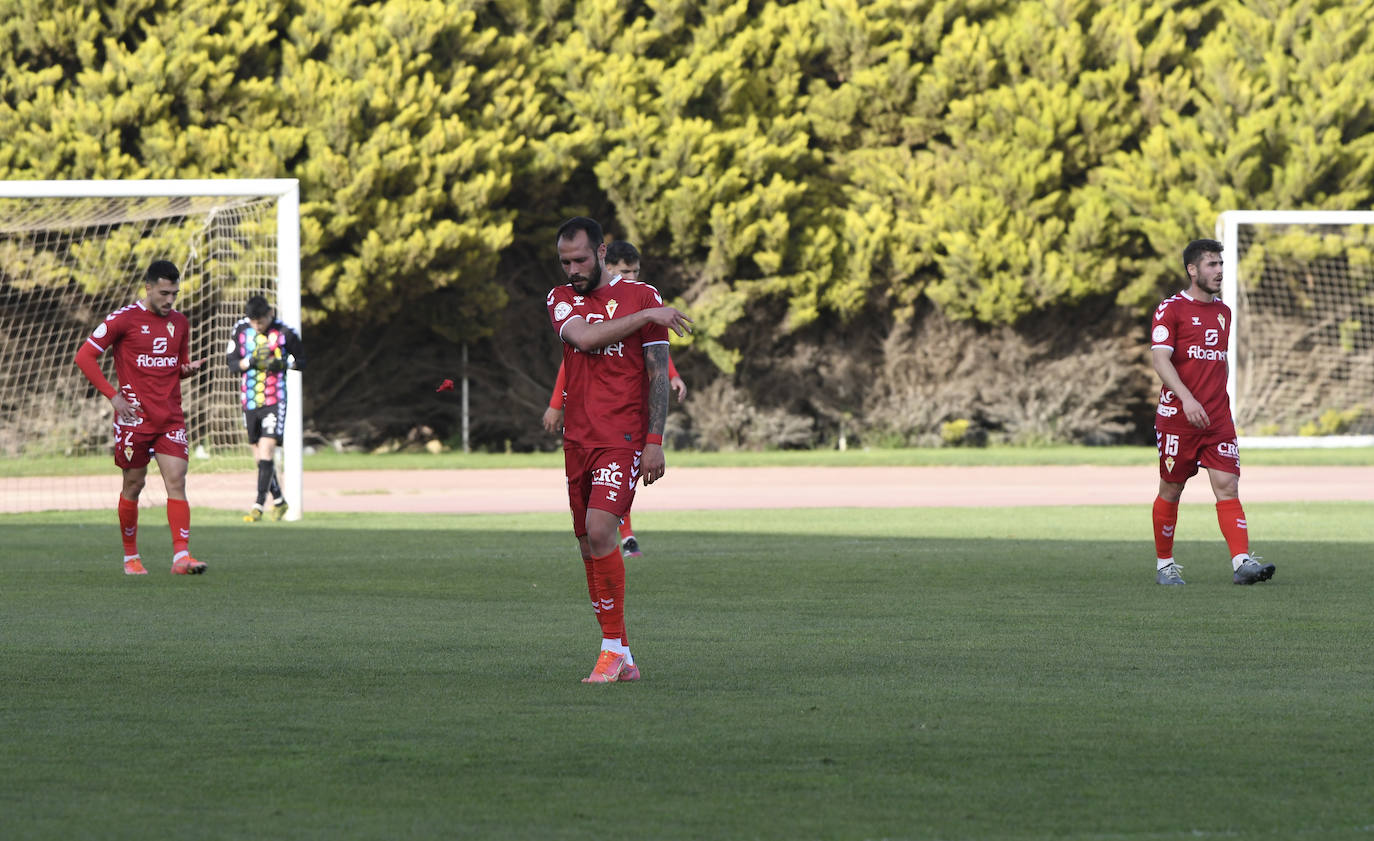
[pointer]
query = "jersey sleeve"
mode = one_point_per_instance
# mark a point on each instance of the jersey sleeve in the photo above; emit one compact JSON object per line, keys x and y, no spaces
{"x":294,"y":347}
{"x":652,"y":334}
{"x":560,"y":386}
{"x":107,"y":332}
{"x":561,"y":308}
{"x":233,"y":353}
{"x":86,"y":360}
{"x":672,"y":370}
{"x":1163,"y":327}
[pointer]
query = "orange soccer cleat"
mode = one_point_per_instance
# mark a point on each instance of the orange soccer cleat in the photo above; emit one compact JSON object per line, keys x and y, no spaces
{"x":187,"y":565}
{"x":134,"y":566}
{"x":607,"y":669}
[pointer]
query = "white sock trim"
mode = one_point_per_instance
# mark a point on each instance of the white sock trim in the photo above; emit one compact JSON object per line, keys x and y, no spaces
{"x":1161,"y":563}
{"x":1238,"y":560}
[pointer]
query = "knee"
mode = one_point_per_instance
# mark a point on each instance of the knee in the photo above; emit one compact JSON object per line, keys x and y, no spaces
{"x":601,"y":540}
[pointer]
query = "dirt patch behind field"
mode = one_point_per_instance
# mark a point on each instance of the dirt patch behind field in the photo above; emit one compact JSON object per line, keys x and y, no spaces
{"x":702,"y":488}
{"x":712,"y":488}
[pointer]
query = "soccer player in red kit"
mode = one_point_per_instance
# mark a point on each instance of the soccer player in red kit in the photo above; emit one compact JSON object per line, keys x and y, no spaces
{"x":1189,"y":336}
{"x":615,"y":335}
{"x":622,"y":259}
{"x":151,"y":342}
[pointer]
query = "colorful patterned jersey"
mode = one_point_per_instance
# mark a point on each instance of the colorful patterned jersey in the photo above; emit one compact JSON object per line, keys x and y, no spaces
{"x":607,"y":389}
{"x":1198,"y":334}
{"x":149,"y":351}
{"x":264,"y":386}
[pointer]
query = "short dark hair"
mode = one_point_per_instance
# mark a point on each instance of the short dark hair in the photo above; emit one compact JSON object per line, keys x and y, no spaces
{"x":581,"y":223}
{"x":161,"y":270}
{"x":621,"y":251}
{"x":257,"y":308}
{"x":1195,"y":249}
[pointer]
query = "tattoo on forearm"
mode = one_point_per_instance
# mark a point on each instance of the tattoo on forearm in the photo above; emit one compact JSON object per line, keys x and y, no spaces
{"x":656,"y":361}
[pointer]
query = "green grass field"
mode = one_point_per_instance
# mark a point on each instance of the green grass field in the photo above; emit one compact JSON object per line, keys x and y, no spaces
{"x":839,"y":674}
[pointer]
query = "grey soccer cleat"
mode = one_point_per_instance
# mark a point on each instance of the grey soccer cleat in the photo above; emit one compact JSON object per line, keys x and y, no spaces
{"x":1169,"y":576}
{"x":1251,"y":571}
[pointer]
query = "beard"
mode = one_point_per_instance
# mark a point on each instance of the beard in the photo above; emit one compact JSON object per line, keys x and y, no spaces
{"x":582,"y":284}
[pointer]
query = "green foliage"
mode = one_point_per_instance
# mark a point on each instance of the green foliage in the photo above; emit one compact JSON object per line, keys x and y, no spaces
{"x":829,"y":158}
{"x":1334,"y":421}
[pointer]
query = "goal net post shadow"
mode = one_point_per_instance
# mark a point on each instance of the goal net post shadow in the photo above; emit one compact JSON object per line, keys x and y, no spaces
{"x":71,"y":252}
{"x":1300,"y":284}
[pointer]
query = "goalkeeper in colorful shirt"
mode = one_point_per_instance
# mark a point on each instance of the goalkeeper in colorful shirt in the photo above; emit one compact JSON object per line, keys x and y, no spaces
{"x":262,"y":349}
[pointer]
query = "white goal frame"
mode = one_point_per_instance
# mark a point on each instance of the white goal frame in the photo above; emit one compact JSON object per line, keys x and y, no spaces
{"x":288,"y":245}
{"x":1227,"y":231}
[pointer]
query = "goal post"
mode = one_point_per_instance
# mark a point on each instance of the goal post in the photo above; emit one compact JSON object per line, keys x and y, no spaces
{"x":72,"y":252}
{"x":1300,"y":284}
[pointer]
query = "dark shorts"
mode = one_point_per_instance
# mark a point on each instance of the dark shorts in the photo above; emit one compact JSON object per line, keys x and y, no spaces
{"x":265,"y":422}
{"x":133,"y":448}
{"x":1182,"y":453}
{"x":600,"y":478}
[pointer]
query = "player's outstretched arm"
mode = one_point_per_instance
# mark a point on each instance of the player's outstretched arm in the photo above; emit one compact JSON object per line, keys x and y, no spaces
{"x":588,"y":337}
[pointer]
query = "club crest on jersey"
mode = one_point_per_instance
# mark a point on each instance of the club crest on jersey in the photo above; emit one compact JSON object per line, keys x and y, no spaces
{"x":1221,"y":319}
{"x":611,"y":306}
{"x":171,"y":329}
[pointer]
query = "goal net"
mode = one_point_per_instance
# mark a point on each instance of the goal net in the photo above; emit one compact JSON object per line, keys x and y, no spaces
{"x":1301,"y":288}
{"x":71,"y":252}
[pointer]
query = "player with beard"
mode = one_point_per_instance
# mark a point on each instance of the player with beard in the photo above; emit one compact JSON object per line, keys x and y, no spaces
{"x":1193,"y":428}
{"x":150,"y":342}
{"x":615,"y":352}
{"x":622,"y":259}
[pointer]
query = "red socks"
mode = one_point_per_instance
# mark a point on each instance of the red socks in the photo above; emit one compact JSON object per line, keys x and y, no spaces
{"x":179,"y":519}
{"x":625,"y":530}
{"x":590,"y":564}
{"x":609,"y":596}
{"x":1231,"y":516}
{"x":128,"y":525}
{"x":1166,"y":518}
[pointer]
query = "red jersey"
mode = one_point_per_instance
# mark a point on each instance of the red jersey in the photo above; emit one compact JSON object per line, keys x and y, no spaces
{"x":1198,"y":334}
{"x":607,"y":389}
{"x":148,"y":353}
